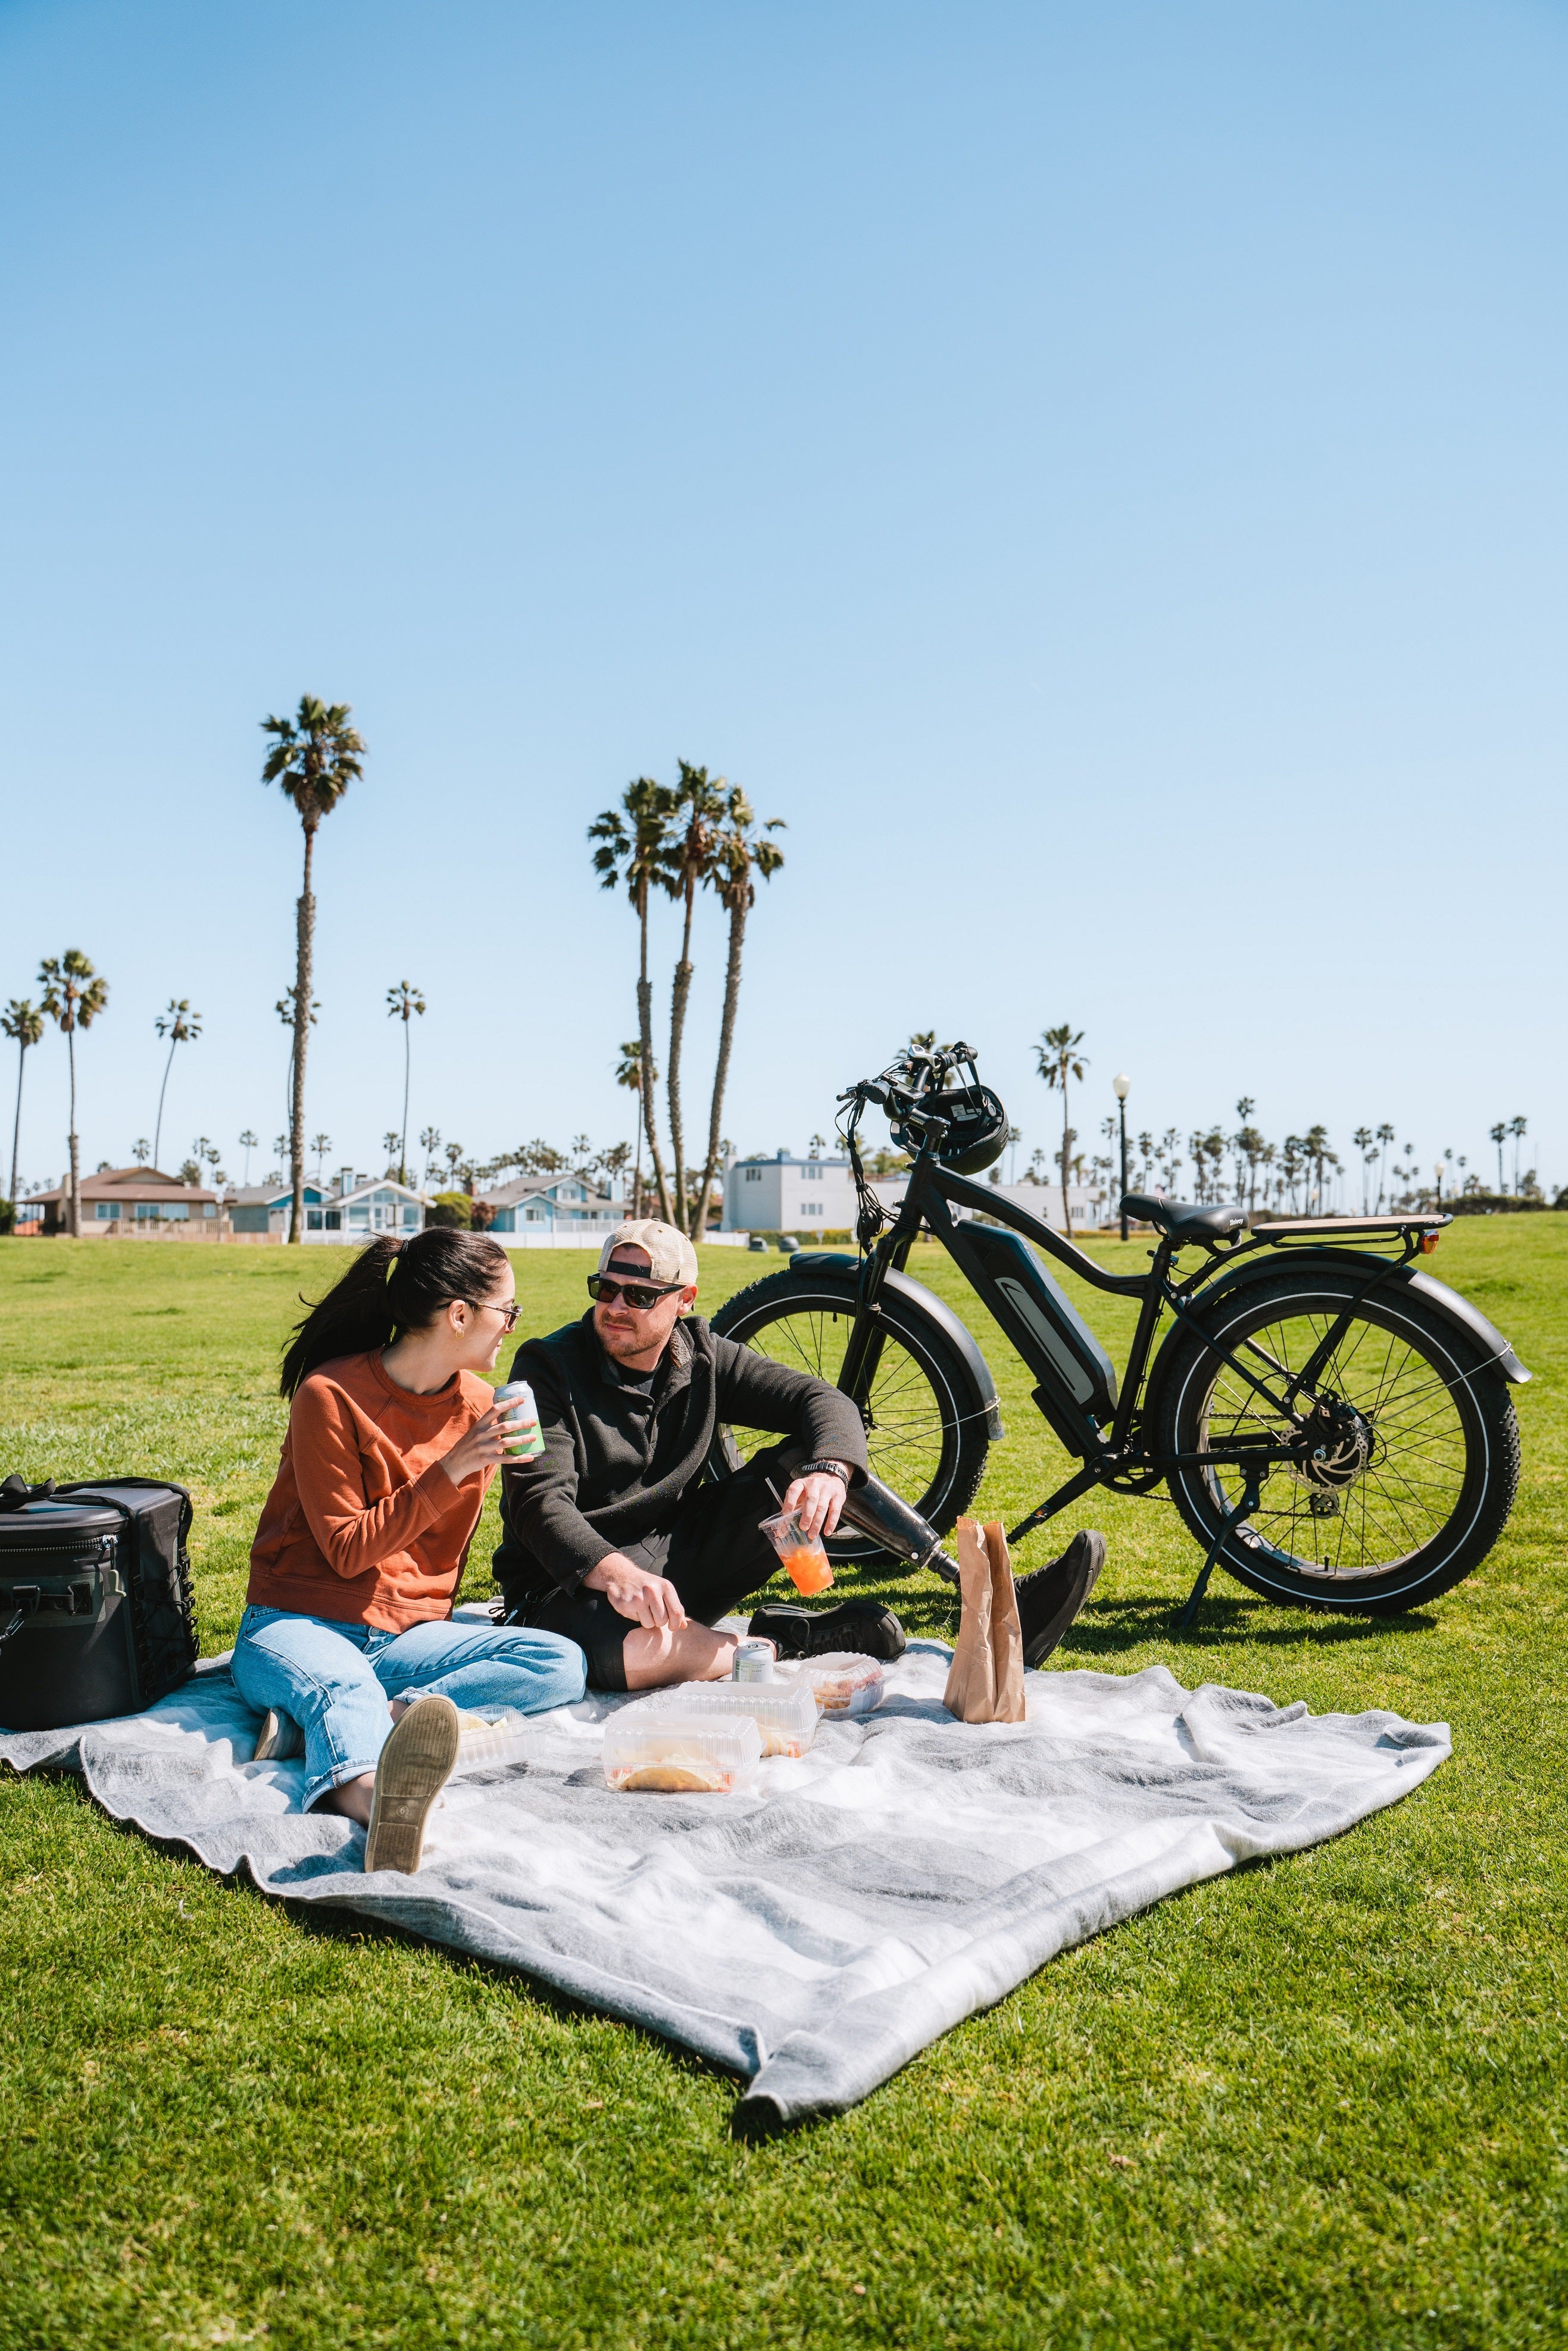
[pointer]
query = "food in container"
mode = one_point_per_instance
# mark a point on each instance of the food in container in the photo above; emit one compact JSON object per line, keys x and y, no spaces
{"x":676,"y":1752}
{"x":508,"y":1738}
{"x":842,"y":1681}
{"x":805,"y":1560}
{"x":785,"y":1713}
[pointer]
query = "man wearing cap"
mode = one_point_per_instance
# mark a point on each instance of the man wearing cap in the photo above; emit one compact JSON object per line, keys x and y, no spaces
{"x":614,"y":1536}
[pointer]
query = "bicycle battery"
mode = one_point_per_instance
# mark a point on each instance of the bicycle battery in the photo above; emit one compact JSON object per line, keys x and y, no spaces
{"x":1042,"y":1322}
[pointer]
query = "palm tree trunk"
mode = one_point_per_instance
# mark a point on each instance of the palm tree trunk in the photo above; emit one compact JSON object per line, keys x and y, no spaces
{"x":637,"y":1162}
{"x":307,"y":933}
{"x":158,"y":1128}
{"x":645,"y":1032}
{"x":75,"y":1223}
{"x":402,"y":1144}
{"x":1066,"y":1149}
{"x":16,"y":1123}
{"x":721,"y":1072}
{"x":679,"y":994}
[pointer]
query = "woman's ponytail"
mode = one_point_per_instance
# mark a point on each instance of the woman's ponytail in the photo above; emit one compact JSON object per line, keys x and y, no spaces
{"x":391,"y":1286}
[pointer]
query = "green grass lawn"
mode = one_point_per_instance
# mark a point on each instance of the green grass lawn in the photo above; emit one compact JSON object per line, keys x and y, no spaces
{"x":1320,"y":2101}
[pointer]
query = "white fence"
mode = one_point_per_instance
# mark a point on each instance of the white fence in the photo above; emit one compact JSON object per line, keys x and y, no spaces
{"x":594,"y":1238}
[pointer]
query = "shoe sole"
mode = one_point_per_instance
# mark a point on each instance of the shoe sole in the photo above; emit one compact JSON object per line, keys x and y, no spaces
{"x":1078,"y":1592}
{"x":415,"y":1764}
{"x":807,"y":1625}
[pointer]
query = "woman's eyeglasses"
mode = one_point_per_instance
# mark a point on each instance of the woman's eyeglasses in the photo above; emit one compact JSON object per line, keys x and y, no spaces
{"x":486,"y":1306}
{"x":638,"y":1294}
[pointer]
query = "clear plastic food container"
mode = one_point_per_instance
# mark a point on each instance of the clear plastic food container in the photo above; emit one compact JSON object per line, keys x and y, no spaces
{"x":679,"y":1752}
{"x":784,"y":1712}
{"x":842,"y":1682}
{"x":506,"y":1739}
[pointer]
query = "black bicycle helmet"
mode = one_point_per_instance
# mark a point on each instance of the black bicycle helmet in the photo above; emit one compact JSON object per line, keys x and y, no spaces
{"x":976,"y":1133}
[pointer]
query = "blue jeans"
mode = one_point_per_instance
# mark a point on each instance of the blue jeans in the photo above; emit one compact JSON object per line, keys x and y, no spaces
{"x":335,"y":1680}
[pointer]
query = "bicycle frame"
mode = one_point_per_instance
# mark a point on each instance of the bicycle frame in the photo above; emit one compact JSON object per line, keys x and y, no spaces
{"x":1108,"y":1442}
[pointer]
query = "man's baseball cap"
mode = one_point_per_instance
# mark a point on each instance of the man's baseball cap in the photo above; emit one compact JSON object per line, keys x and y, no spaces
{"x":671,"y":1257}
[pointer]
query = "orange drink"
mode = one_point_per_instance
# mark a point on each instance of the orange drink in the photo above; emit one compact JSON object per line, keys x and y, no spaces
{"x":806,"y":1564}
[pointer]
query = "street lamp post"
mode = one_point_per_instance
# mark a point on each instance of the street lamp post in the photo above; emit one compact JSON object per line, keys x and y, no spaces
{"x":1123,"y":1085}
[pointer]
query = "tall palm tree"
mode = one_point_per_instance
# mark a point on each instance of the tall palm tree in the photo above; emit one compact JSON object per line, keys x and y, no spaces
{"x":740,"y":852}
{"x":634,"y":849}
{"x":429,"y":1142}
{"x":1385,"y":1134}
{"x":247,"y":1144}
{"x":1517,"y":1128}
{"x":403,"y":1001}
{"x":629,"y":1073}
{"x":316,"y":755}
{"x":141,"y":1151}
{"x":180,"y":1026}
{"x":24,"y":1024}
{"x":1362,"y":1140}
{"x":699,"y":805}
{"x":1315,"y":1149}
{"x":1059,"y":1061}
{"x":73,"y":998}
{"x":320,"y":1144}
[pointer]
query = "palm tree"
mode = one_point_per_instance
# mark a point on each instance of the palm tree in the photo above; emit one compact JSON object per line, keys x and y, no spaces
{"x":73,"y":998}
{"x":403,"y":1001}
{"x":390,"y":1144}
{"x":698,"y":804}
{"x":1314,"y":1148}
{"x":629,"y":1073}
{"x":180,"y":1026}
{"x":1059,"y":1061}
{"x":141,"y":1151}
{"x":247,"y":1144}
{"x":1361,"y":1139}
{"x":739,"y":854}
{"x":315,"y":758}
{"x":1385,"y":1134}
{"x":1499,"y":1134}
{"x":635,"y":848}
{"x":24,"y":1024}
{"x":1517,"y":1128}
{"x":320,"y":1144}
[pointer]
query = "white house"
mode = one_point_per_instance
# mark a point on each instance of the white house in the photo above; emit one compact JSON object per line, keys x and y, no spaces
{"x":783,"y":1194}
{"x":353,"y":1208}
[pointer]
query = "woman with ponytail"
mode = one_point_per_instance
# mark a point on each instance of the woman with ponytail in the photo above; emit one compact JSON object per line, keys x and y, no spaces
{"x":393,"y":1436}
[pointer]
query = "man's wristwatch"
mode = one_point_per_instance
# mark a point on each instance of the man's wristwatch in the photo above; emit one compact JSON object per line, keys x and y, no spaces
{"x":825,"y":1469}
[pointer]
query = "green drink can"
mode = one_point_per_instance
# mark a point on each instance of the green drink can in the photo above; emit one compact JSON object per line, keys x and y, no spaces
{"x":530,"y":1443}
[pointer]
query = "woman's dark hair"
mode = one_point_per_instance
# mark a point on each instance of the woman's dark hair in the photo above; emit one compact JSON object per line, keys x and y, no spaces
{"x":391,"y":1287}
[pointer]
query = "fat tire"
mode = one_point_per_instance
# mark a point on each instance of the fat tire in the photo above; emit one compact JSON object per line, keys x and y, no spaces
{"x":961,"y":1406}
{"x":1187,"y":1374}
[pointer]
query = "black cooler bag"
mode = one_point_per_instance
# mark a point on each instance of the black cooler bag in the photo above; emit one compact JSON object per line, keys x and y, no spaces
{"x":98,"y":1576}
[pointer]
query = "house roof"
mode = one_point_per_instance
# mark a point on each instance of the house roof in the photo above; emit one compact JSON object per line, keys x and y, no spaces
{"x":536,"y":1187}
{"x":131,"y":1184}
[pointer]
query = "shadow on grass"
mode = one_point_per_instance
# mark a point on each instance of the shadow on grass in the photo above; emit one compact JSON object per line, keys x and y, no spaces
{"x":1108,"y":1627}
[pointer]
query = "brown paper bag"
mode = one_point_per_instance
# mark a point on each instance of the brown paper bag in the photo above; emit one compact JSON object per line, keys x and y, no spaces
{"x":971,"y":1689}
{"x":1007,"y":1633}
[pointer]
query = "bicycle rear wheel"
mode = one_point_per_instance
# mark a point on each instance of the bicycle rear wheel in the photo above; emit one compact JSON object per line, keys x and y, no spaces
{"x":1417,"y":1475}
{"x":926,"y":1420}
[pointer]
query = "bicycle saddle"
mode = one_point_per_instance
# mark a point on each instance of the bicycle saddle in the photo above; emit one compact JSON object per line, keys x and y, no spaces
{"x":1185,"y":1220}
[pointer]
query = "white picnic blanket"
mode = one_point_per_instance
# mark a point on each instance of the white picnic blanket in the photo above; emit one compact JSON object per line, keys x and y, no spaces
{"x":814,"y":1935}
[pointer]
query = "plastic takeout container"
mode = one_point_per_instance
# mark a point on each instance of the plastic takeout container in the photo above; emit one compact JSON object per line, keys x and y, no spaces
{"x":842,"y":1682}
{"x":506,"y":1739}
{"x":805,"y":1562}
{"x":679,"y":1752}
{"x":785,"y":1713}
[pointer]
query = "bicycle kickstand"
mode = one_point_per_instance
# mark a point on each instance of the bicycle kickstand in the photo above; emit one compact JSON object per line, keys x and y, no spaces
{"x":1227,"y":1526}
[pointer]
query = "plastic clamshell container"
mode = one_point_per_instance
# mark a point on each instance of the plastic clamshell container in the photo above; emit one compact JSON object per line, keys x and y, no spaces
{"x":785,"y":1713}
{"x":842,"y":1682}
{"x":677,"y":1753}
{"x":509,"y":1740}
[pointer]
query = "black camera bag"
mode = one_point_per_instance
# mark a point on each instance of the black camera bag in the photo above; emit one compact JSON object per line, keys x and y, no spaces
{"x":96,"y":1615}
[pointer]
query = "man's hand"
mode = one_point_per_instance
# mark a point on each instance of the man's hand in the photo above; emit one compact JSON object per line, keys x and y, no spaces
{"x":632,"y":1591}
{"x":819,"y":1498}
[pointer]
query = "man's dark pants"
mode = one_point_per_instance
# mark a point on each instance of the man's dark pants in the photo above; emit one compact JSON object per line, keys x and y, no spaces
{"x":711,"y":1551}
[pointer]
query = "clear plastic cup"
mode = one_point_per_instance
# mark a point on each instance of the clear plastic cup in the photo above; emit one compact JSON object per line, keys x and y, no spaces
{"x":530,"y":1443}
{"x":806,"y":1564}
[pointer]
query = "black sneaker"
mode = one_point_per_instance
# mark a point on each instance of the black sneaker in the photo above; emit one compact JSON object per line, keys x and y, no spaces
{"x":862,"y":1626}
{"x":1051,"y":1598}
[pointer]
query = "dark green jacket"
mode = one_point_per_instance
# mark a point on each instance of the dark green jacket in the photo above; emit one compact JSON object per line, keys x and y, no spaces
{"x":617,"y":1461}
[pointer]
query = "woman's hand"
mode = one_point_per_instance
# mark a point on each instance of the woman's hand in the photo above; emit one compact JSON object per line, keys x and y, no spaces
{"x":485,"y":1445}
{"x":649,"y":1600}
{"x":819,"y":1498}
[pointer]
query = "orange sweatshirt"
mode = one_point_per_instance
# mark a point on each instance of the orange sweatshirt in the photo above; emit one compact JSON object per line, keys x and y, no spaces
{"x":362,"y":1523}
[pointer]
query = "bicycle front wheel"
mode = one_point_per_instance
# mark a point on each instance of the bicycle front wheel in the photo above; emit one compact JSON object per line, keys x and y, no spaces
{"x":925,"y":1421}
{"x":1420,"y":1453}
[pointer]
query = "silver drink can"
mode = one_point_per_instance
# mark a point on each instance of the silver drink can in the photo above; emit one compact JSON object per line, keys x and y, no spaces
{"x":754,"y":1661}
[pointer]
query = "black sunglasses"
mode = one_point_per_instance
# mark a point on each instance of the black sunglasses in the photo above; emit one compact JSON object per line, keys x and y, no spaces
{"x":638,"y":1294}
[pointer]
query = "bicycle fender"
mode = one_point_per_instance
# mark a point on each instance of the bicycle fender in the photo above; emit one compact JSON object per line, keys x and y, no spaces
{"x":1450,"y":1304}
{"x":958,"y":1334}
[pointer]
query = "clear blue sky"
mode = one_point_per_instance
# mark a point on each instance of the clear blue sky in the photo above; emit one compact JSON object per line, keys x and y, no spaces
{"x":1098,"y":473}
